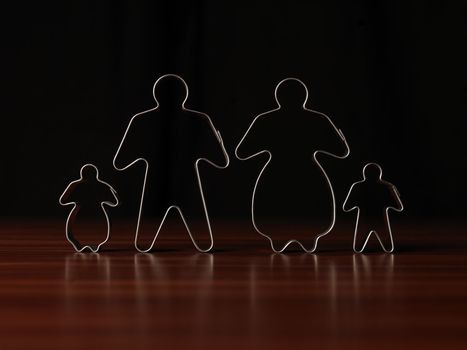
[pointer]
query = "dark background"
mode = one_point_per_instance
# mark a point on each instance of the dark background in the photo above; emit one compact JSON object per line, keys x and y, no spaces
{"x":391,"y":74}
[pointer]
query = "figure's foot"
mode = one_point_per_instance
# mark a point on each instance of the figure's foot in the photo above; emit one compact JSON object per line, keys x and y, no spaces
{"x":143,"y":247}
{"x":200,"y":234}
{"x":309,"y":245}
{"x":203,"y":245}
{"x":280,"y":245}
{"x":146,"y":236}
{"x":360,"y":247}
{"x":361,"y":241}
{"x":386,"y":242}
{"x":87,"y":249}
{"x":74,"y":242}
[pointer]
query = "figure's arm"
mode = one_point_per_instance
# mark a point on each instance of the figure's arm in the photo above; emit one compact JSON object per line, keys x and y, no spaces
{"x":127,"y":154}
{"x":345,"y":146}
{"x":66,"y":197}
{"x":337,"y":146}
{"x":250,"y":145}
{"x":398,"y":206}
{"x":120,"y":161}
{"x":349,"y":202}
{"x":112,"y":201}
{"x":214,"y":152}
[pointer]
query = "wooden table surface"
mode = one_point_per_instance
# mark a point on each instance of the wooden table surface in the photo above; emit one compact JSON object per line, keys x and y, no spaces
{"x":240,"y":296}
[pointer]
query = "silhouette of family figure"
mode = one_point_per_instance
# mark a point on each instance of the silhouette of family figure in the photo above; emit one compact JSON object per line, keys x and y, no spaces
{"x":88,"y":195}
{"x":291,"y":136}
{"x":167,"y":115}
{"x":372,"y":197}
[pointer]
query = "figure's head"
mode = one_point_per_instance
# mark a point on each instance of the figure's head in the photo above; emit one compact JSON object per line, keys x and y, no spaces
{"x":372,"y":171}
{"x":89,"y":171}
{"x":291,"y":93}
{"x":170,"y":90}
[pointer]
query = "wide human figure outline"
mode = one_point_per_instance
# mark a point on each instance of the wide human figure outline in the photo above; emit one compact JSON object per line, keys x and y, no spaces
{"x":323,"y":121}
{"x":149,"y":185}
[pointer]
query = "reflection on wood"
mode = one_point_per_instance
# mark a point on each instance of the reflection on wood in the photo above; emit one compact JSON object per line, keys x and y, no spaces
{"x":241,"y":296}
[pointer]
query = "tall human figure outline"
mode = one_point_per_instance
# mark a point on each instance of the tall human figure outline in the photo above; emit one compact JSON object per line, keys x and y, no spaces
{"x":372,"y":174}
{"x":141,"y":118}
{"x":89,"y":175}
{"x":324,"y":121}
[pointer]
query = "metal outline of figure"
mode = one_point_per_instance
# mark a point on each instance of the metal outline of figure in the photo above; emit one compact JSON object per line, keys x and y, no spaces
{"x":386,"y":211}
{"x":70,"y":220}
{"x":146,"y":163}
{"x":328,"y":181}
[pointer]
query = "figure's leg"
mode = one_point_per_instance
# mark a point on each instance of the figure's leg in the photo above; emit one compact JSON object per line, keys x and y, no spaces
{"x":384,"y":236}
{"x":362,"y":235}
{"x":148,"y":229}
{"x":151,"y":216}
{"x":280,"y":244}
{"x":196,"y":219}
{"x":69,"y":230}
{"x":299,"y":208}
{"x":84,"y":231}
{"x":280,"y":234}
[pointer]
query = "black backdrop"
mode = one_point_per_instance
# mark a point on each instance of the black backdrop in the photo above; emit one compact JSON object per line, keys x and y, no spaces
{"x":391,"y":74}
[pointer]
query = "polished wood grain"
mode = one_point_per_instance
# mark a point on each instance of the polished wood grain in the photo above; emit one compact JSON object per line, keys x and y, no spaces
{"x":240,"y":296}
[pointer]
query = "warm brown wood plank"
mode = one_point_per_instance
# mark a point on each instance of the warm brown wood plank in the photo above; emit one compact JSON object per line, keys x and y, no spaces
{"x":241,"y":296}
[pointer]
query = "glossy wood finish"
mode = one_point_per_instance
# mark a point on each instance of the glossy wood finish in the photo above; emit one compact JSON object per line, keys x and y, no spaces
{"x":241,"y":296}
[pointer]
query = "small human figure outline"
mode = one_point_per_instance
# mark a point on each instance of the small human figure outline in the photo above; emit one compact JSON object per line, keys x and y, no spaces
{"x":399,"y":207}
{"x":87,"y":172}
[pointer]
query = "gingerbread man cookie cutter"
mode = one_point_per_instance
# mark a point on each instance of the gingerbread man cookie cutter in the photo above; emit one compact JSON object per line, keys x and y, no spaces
{"x":196,"y":165}
{"x":399,"y":208}
{"x":315,"y":160}
{"x":72,"y":216}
